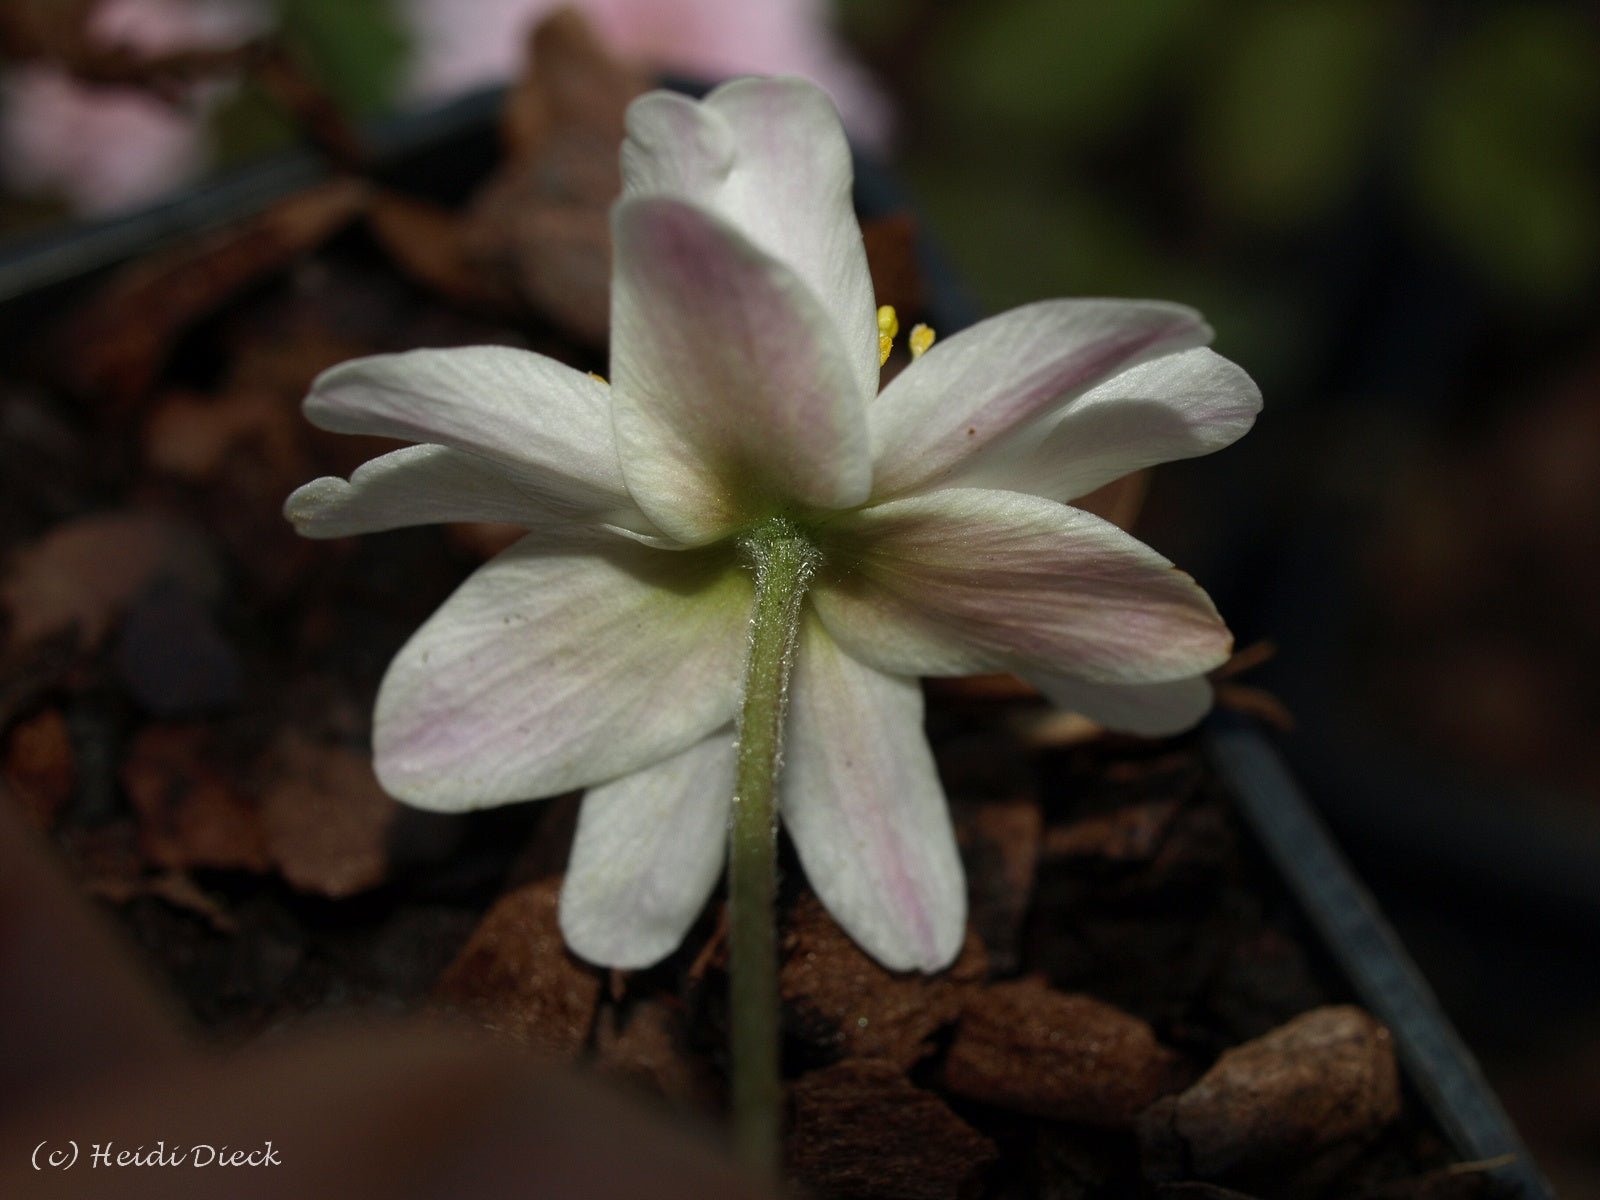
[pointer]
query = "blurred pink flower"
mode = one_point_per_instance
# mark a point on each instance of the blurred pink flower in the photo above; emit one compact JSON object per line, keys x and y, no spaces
{"x":462,"y":44}
{"x":109,"y":148}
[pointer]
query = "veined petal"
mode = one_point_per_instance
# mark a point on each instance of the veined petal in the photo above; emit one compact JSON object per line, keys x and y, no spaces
{"x":550,"y":671}
{"x":424,"y":485}
{"x":548,"y":420}
{"x":862,"y":801}
{"x":962,"y":581}
{"x":769,"y":156}
{"x":990,"y":382}
{"x":1177,"y":406}
{"x":648,"y":851}
{"x":1146,"y":709}
{"x":731,"y":397}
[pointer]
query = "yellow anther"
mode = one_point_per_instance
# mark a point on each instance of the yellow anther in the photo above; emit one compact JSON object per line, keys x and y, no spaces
{"x":888,"y":326}
{"x":921,"y":339}
{"x":607,"y":382}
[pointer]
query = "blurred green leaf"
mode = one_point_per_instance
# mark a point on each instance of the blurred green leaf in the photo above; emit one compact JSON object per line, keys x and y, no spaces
{"x":872,"y":22}
{"x":357,"y":49}
{"x":1017,"y":232}
{"x":1073,"y":68}
{"x":245,"y":124}
{"x":1504,"y":158}
{"x":1287,"y":112}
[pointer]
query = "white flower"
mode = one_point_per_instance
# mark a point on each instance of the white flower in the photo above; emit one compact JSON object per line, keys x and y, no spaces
{"x":605,"y":649}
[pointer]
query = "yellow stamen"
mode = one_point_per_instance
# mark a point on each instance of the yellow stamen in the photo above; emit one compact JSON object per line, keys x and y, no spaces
{"x":888,"y":326}
{"x":921,"y":339}
{"x":604,"y":380}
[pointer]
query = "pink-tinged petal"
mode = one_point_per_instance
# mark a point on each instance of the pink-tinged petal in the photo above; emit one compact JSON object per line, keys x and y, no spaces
{"x":549,"y":671}
{"x":425,"y":485}
{"x":862,"y":801}
{"x":731,"y":398}
{"x":1178,"y":406}
{"x":648,"y":851}
{"x":1146,"y":709}
{"x":546,"y":420}
{"x":963,"y":581}
{"x":974,"y":390}
{"x":770,"y":158}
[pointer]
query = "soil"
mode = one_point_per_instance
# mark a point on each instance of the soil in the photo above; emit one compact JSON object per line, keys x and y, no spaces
{"x":186,"y":709}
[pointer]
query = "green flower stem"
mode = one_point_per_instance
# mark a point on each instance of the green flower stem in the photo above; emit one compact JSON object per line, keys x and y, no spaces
{"x":783,"y":561}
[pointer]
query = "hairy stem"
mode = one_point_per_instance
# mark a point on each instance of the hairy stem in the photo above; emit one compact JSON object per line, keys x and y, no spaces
{"x":783,"y":561}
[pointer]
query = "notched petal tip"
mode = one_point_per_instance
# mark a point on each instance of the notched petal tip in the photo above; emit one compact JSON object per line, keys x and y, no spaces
{"x":307,"y":506}
{"x":675,"y":146}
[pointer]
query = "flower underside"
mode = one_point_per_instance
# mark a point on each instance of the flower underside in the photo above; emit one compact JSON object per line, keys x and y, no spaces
{"x":606,"y":649}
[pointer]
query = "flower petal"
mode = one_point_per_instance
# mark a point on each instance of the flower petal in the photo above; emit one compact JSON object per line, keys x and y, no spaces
{"x":648,"y":851}
{"x":991,"y":381}
{"x":550,"y":422}
{"x":961,"y":581}
{"x":1146,"y":709}
{"x":862,"y":802}
{"x":550,"y":671}
{"x":1178,"y":406}
{"x":769,"y":156}
{"x":425,"y":485}
{"x":731,"y":397}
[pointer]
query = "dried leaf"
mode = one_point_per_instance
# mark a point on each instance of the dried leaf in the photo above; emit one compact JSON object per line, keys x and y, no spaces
{"x":84,"y":573}
{"x":541,"y":226}
{"x":191,"y":811}
{"x":118,"y":342}
{"x":39,"y":771}
{"x":194,"y":437}
{"x":58,"y":32}
{"x":325,"y":818}
{"x":109,"y":864}
{"x":428,"y":243}
{"x":569,"y":78}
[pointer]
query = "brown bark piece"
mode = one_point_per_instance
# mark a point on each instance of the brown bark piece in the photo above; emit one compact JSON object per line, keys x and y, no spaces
{"x":1055,"y":1054}
{"x":844,"y":1003}
{"x":1324,"y":1079}
{"x":515,"y":975}
{"x":326,"y":819}
{"x":190,"y":812}
{"x":859,"y":1129}
{"x":39,"y":770}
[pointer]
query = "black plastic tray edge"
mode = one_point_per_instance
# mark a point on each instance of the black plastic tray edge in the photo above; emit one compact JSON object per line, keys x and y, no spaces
{"x":1350,"y":924}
